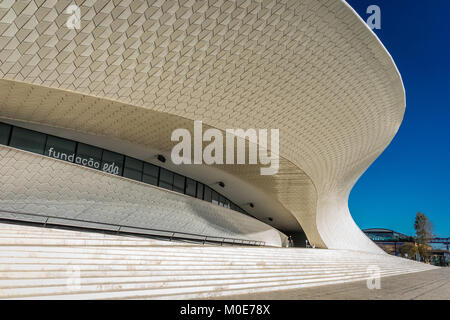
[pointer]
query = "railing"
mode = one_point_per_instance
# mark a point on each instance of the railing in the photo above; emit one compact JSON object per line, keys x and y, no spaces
{"x":71,"y":223}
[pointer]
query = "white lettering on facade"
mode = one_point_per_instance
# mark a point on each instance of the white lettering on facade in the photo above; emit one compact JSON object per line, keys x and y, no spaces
{"x":87,"y":162}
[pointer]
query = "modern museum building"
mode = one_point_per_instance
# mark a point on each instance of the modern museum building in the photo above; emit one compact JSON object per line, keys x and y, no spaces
{"x":87,"y":115}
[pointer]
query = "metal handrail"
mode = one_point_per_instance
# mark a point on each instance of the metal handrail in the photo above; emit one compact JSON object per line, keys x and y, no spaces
{"x":118,"y":227}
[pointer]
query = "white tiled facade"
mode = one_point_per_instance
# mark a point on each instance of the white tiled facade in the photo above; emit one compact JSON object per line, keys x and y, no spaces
{"x":311,"y":68}
{"x":31,"y":183}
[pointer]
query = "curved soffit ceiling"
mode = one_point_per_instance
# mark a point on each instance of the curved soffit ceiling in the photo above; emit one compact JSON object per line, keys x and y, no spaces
{"x":59,"y":109}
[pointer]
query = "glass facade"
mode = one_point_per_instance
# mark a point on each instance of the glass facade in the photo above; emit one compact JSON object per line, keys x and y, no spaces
{"x":200,"y":189}
{"x":165,"y":179}
{"x":110,"y":162}
{"x":191,"y":187}
{"x":178,"y":183}
{"x":5,"y":133}
{"x":60,"y":148}
{"x":150,"y":174}
{"x":386,"y":236}
{"x":27,"y":140}
{"x":207,"y":194}
{"x":380,"y":236}
{"x":133,"y":169}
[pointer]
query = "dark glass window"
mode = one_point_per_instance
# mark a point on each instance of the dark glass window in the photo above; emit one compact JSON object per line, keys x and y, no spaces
{"x":112,"y":162}
{"x":381,"y":236}
{"x":215,"y":197}
{"x":237,"y":208}
{"x":28,"y":140}
{"x":151,"y":173}
{"x":221,"y":201}
{"x":165,"y":179}
{"x":178,"y":183}
{"x":191,"y":186}
{"x":224,"y":202}
{"x":60,"y":148}
{"x":5,"y":131}
{"x":208,"y":194}
{"x":89,"y":156}
{"x":133,"y":169}
{"x":200,"y":187}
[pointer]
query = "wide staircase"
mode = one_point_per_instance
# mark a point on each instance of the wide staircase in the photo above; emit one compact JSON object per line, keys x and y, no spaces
{"x":43,"y":263}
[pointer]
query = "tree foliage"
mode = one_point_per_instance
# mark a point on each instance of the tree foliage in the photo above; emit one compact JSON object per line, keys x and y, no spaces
{"x":424,"y":231}
{"x":423,"y":227}
{"x":413,"y":248}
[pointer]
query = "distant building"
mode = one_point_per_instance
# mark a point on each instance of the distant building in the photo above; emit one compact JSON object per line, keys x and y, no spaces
{"x":391,"y":242}
{"x":440,"y":258}
{"x":388,"y":240}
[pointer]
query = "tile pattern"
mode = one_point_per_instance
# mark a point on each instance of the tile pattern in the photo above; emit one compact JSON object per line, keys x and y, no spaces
{"x":31,"y":183}
{"x":311,"y":68}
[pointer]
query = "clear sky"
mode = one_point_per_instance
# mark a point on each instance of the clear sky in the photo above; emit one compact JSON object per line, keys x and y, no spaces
{"x":413,"y":173}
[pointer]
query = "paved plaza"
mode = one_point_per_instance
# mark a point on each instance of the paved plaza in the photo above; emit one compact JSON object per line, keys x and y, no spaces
{"x":434,"y":284}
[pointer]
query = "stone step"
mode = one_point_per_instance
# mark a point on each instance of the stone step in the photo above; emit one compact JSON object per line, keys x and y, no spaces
{"x":64,"y":273}
{"x":167,"y":260}
{"x":40,"y":263}
{"x":151,"y":256}
{"x":211,"y":251}
{"x":178,"y":289}
{"x":200,"y":278}
{"x":29,"y":267}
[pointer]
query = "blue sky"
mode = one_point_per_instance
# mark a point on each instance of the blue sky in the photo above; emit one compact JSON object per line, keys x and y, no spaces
{"x":413,"y":173}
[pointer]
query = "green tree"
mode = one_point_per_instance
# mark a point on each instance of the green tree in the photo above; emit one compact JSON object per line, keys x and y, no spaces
{"x":420,"y":246}
{"x":413,"y":248}
{"x":423,"y":227}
